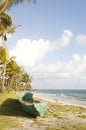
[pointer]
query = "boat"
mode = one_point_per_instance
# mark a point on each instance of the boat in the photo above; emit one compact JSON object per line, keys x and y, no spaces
{"x":31,"y":106}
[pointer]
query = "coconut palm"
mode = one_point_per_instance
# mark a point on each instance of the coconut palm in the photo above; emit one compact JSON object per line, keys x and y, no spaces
{"x":6,"y":27}
{"x":5,"y":22}
{"x":26,"y":79}
{"x":3,"y":54}
{"x":6,"y":30}
{"x":6,"y":18}
{"x":6,"y":4}
{"x":13,"y":74}
{"x":3,"y":61}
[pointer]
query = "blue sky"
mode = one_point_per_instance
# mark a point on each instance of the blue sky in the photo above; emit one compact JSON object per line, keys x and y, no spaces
{"x":51,"y":42}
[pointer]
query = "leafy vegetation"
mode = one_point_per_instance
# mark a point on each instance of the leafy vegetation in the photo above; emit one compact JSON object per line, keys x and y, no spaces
{"x":82,"y":116}
{"x":11,"y":75}
{"x":15,"y":77}
{"x":6,"y":27}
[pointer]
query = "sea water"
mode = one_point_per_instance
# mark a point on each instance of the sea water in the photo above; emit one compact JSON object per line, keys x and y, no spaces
{"x":76,"y":97}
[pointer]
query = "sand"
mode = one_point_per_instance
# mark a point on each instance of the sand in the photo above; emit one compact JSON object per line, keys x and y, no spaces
{"x":59,"y":116}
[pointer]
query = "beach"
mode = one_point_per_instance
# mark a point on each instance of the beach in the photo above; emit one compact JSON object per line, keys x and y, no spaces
{"x":74,"y":97}
{"x":59,"y":116}
{"x":62,"y":97}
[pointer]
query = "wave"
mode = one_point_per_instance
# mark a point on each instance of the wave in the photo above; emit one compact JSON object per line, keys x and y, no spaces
{"x":77,"y":97}
{"x":70,"y":96}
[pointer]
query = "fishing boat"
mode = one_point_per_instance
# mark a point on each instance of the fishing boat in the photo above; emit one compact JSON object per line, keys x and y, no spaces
{"x":31,"y":106}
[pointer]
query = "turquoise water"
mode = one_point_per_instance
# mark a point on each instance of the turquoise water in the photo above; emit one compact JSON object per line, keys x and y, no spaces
{"x":77,"y":97}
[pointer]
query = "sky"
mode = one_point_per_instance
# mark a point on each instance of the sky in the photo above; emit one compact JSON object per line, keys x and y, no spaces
{"x":51,"y":42}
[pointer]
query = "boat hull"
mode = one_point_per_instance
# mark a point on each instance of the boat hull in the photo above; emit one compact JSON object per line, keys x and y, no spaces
{"x":34,"y":108}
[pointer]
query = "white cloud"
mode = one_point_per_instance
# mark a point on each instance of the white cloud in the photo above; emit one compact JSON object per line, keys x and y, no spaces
{"x":71,"y":69}
{"x":66,"y":38}
{"x":76,"y":57}
{"x":81,"y":39}
{"x":28,"y":52}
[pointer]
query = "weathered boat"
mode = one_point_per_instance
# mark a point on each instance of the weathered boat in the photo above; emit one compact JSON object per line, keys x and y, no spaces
{"x":31,"y":106}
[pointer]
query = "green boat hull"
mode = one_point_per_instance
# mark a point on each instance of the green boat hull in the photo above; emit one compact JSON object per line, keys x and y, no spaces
{"x":31,"y":106}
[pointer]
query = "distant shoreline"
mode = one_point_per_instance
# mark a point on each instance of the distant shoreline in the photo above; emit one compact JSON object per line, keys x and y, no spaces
{"x":59,"y":115}
{"x":58,"y":102}
{"x":63,"y":96}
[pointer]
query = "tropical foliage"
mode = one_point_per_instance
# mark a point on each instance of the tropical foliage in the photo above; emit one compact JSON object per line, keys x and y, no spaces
{"x":6,"y":27}
{"x":6,"y":4}
{"x":26,"y":79}
{"x":3,"y":61}
{"x":15,"y":78}
{"x":11,"y":74}
{"x":3,"y":55}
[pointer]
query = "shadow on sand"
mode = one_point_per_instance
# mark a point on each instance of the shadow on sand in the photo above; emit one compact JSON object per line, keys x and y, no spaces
{"x":12,"y":107}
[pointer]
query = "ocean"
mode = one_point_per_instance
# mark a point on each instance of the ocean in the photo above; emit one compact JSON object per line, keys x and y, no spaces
{"x":75,"y":97}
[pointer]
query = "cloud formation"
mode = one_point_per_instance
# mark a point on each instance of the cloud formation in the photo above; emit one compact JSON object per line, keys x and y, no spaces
{"x":66,"y":38}
{"x":71,"y":69}
{"x":29,"y":52}
{"x":81,"y":39}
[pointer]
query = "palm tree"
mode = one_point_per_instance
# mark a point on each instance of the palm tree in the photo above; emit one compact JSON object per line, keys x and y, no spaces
{"x":5,"y":22}
{"x":6,"y":18}
{"x":13,"y":74}
{"x":26,"y":79}
{"x":6,"y":4}
{"x":3,"y":61}
{"x":3,"y":54}
{"x":6,"y":27}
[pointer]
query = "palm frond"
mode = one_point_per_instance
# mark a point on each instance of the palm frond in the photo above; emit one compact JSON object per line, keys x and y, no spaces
{"x":5,"y":19}
{"x":6,"y":4}
{"x":3,"y":54}
{"x":12,"y":28}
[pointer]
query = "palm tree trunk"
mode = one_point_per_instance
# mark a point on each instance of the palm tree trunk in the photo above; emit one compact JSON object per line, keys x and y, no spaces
{"x":3,"y":76}
{"x":3,"y":70}
{"x":10,"y":83}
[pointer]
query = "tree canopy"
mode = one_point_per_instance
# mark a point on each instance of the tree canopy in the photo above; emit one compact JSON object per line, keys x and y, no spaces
{"x":3,"y":55}
{"x":10,"y":72}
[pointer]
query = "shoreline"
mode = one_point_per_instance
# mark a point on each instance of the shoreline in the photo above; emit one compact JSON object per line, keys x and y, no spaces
{"x":64,"y":103}
{"x":57,"y":101}
{"x":59,"y":115}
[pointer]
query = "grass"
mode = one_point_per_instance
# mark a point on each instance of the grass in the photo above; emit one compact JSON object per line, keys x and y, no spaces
{"x":57,"y":117}
{"x":9,"y":105}
{"x":79,"y":127}
{"x":10,"y":110}
{"x":8,"y":122}
{"x":82,"y":116}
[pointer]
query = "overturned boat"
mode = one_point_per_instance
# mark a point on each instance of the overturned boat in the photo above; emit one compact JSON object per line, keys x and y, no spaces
{"x":31,"y":106}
